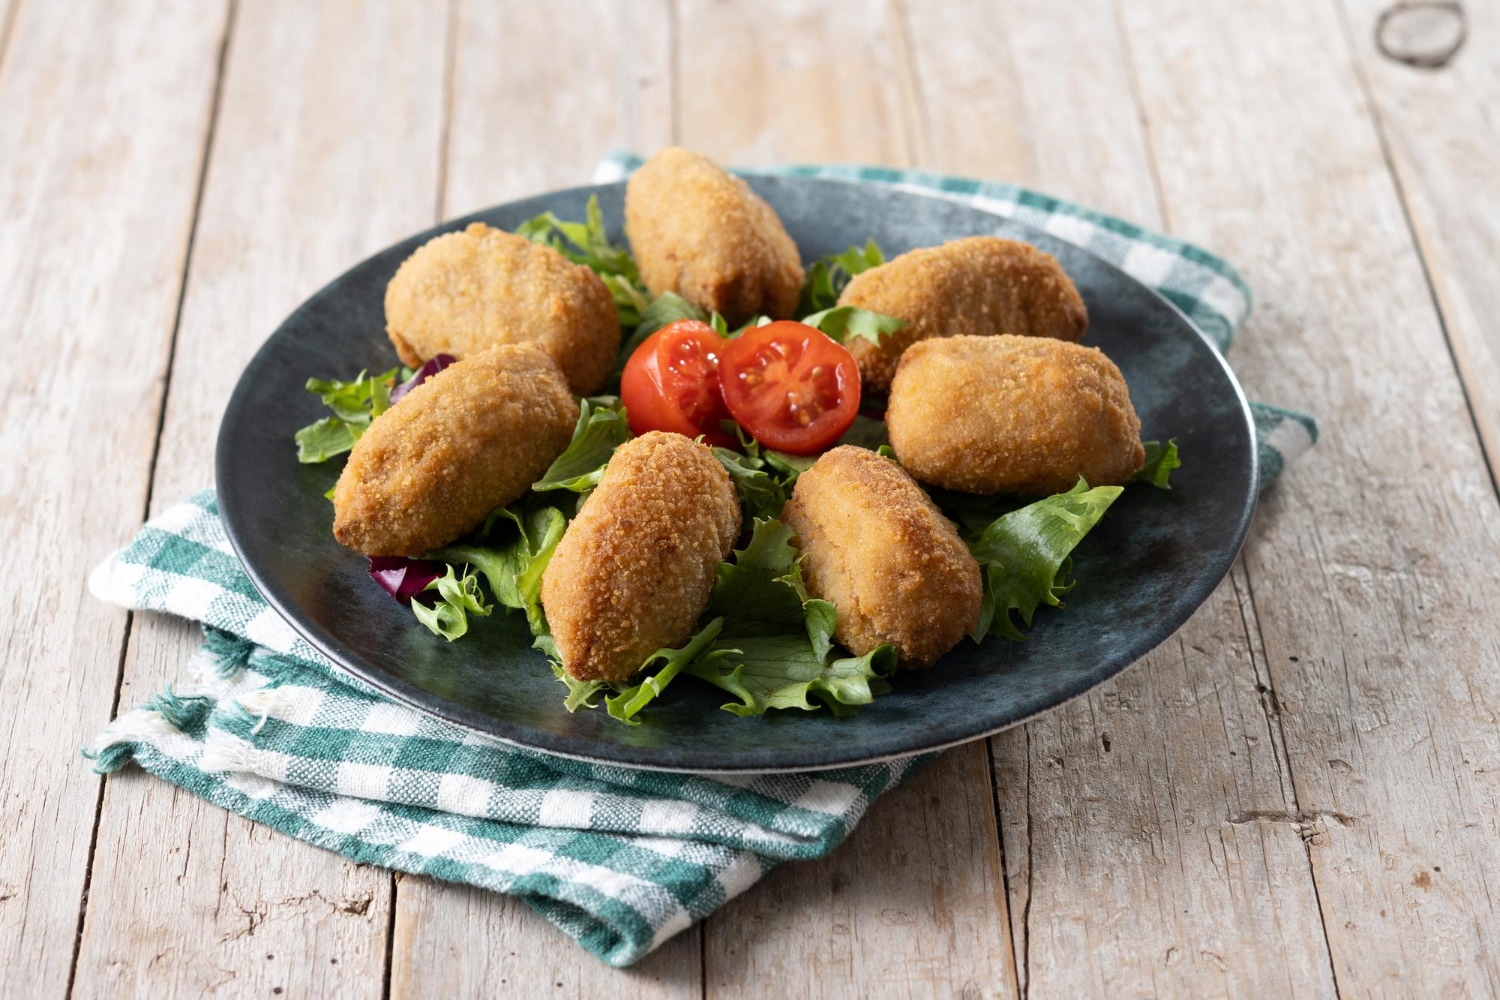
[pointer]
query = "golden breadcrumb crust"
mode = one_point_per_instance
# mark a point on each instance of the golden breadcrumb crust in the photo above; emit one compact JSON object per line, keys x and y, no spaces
{"x":880,"y":550}
{"x":471,"y":438}
{"x":702,"y":233}
{"x":977,"y":286}
{"x":636,"y":566}
{"x":463,"y":292}
{"x":1012,"y":415}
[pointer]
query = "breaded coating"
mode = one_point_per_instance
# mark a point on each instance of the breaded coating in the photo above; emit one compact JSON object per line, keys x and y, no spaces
{"x":462,"y":292}
{"x":636,"y":566}
{"x":1012,"y":415}
{"x":471,"y":438}
{"x":702,"y":233}
{"x":978,"y":286}
{"x":880,"y":550}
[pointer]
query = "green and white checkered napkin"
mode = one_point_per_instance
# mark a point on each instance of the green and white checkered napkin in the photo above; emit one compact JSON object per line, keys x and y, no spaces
{"x":619,"y":859}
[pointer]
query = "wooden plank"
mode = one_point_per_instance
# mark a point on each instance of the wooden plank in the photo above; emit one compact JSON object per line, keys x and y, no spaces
{"x":539,"y":94}
{"x":326,"y":149}
{"x":911,"y":905}
{"x":1151,"y":842}
{"x":794,"y":81}
{"x":1375,"y":564}
{"x":458,"y":941}
{"x":1138,"y":856}
{"x":8,"y":10}
{"x":104,"y":109}
{"x":1443,"y":140}
{"x":1002,"y":97}
{"x":542,"y":91}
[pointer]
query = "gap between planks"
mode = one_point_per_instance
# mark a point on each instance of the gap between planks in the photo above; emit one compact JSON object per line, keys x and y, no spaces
{"x":161,"y":416}
{"x":1378,"y":124}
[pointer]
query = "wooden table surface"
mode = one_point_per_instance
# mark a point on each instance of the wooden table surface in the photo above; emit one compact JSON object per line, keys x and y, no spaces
{"x":1299,"y":794}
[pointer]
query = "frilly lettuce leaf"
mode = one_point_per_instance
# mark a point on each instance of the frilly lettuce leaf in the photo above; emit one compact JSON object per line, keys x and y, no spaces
{"x":458,"y":597}
{"x":354,"y":404}
{"x":842,"y":322}
{"x":777,"y":642}
{"x":826,"y":278}
{"x":761,"y":493}
{"x":581,"y":694}
{"x":1159,"y":464}
{"x":800,"y":681}
{"x":765,"y":643}
{"x":602,"y":427}
{"x":513,"y":568}
{"x":630,"y":699}
{"x":587,"y":243}
{"x":788,"y":466}
{"x":1025,"y":555}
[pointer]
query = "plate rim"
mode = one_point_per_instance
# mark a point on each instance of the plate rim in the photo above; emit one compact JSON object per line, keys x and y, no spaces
{"x":407,"y":694}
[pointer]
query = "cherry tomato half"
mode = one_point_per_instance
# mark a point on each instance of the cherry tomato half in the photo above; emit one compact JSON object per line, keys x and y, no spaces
{"x":671,"y":383}
{"x":790,"y":386}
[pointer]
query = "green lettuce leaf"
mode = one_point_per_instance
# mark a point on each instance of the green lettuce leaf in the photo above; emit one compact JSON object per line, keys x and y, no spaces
{"x":668,"y":307}
{"x":858,"y":259}
{"x":581,"y":694}
{"x":842,"y":322}
{"x":789,"y":467}
{"x":818,"y":292}
{"x":513,"y":567}
{"x":325,"y":438}
{"x":602,"y":427}
{"x":587,"y":243}
{"x":777,"y":642}
{"x":866,"y":432}
{"x":458,"y":597}
{"x":631,"y":300}
{"x":628,"y":700}
{"x":354,"y":404}
{"x":762,"y":495}
{"x":761,"y":685}
{"x":1025,"y":555}
{"x":1159,"y":464}
{"x":825,"y":279}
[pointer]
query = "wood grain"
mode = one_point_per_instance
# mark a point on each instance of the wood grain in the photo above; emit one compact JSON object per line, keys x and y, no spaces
{"x":1375,"y":564}
{"x":790,"y":81}
{"x":911,"y":906}
{"x":1031,"y":92}
{"x":101,"y":145}
{"x":539,"y":94}
{"x":325,"y":150}
{"x":1340,"y":691}
{"x":1443,"y":141}
{"x":1150,"y":835}
{"x":458,"y":941}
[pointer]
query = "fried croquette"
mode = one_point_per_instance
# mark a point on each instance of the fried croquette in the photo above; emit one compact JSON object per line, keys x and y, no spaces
{"x":702,"y":233}
{"x":471,"y":438}
{"x":463,"y":292}
{"x":1012,"y":415}
{"x":979,"y":286}
{"x":879,"y":549}
{"x":636,"y":566}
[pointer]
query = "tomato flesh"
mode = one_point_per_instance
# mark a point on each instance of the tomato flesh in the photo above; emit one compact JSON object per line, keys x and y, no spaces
{"x":671,"y":383}
{"x":790,"y":386}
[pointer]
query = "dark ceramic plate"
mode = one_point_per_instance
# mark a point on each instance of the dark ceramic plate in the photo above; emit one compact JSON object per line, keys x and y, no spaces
{"x":1142,"y":572}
